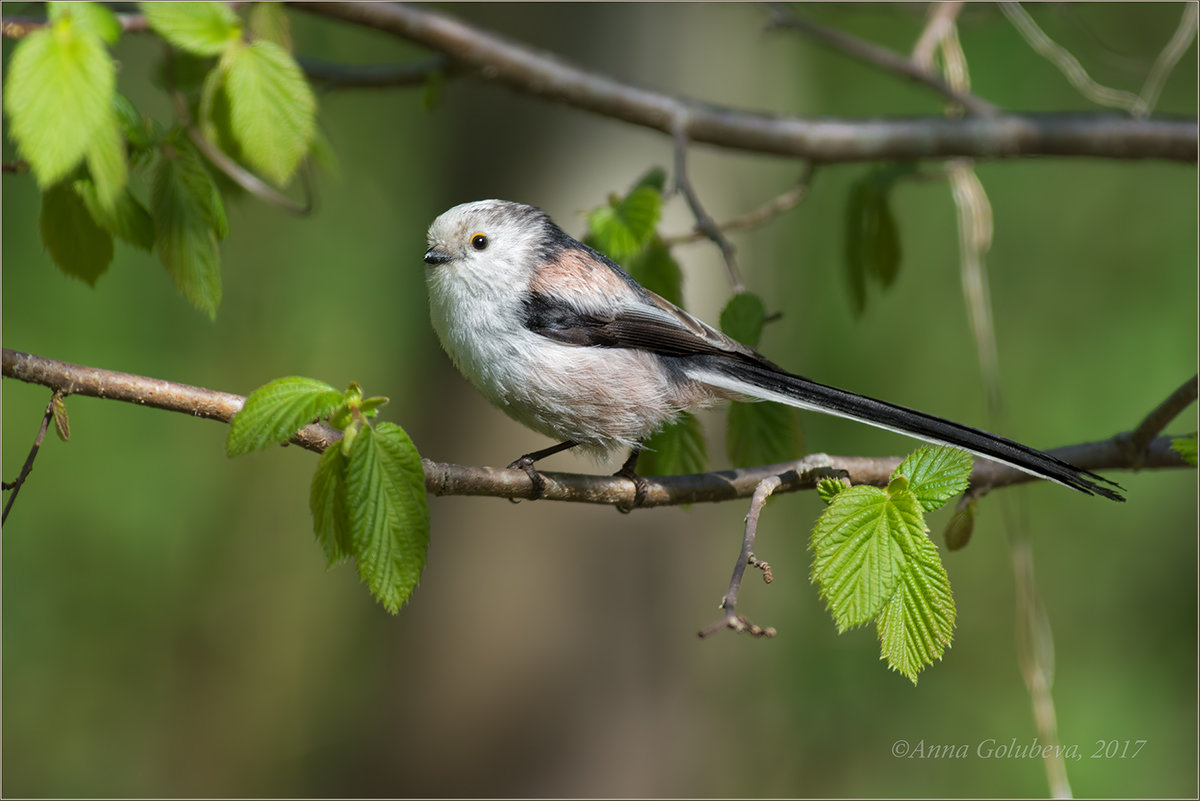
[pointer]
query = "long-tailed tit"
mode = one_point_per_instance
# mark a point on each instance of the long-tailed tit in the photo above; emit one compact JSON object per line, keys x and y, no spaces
{"x":562,"y":339}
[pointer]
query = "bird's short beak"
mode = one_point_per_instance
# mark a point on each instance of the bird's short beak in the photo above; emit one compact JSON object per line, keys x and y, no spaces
{"x":433,"y":256}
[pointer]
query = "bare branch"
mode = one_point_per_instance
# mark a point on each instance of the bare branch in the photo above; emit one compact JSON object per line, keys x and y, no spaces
{"x":1157,"y":420}
{"x":452,"y":479}
{"x":818,"y":139}
{"x":27,"y":468}
{"x":732,"y":620}
{"x":705,"y":224}
{"x":1178,"y":44}
{"x":878,"y":56}
{"x":1067,"y":64}
{"x":376,"y":76}
{"x":756,"y":217}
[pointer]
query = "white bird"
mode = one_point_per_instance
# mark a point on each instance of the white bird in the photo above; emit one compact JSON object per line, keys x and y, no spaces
{"x":564,"y":340}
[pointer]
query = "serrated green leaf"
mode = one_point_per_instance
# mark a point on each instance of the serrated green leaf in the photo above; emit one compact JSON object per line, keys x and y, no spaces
{"x":128,"y":219}
{"x":77,"y":244}
{"x":656,"y":269}
{"x":389,"y":518}
{"x":761,"y":433}
{"x":961,"y":526}
{"x":1186,"y":448}
{"x":268,"y":21}
{"x":189,"y":219}
{"x":87,"y":17}
{"x":858,"y":547}
{"x":828,"y":488}
{"x":201,"y":28}
{"x":743,"y":318}
{"x":678,"y":449}
{"x":917,"y":624}
{"x":62,"y":423}
{"x":277,"y":410}
{"x":327,"y":500}
{"x":272,"y":108}
{"x":936,"y":474}
{"x":106,"y":163}
{"x":58,"y":92}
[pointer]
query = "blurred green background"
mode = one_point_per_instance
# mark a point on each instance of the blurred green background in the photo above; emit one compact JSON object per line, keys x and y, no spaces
{"x":169,"y":627}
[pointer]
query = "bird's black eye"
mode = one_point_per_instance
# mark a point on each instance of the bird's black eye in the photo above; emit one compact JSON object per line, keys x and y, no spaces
{"x":479,"y":241}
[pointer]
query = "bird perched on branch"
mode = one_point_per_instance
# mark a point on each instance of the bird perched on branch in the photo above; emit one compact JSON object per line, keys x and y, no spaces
{"x":564,"y":340}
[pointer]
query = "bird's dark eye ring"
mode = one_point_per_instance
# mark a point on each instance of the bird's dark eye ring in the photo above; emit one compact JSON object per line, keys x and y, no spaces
{"x":479,"y":241}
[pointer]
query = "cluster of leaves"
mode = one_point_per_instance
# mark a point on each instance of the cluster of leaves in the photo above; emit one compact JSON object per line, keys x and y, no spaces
{"x":872,"y":236}
{"x":625,"y":229}
{"x":82,"y":138}
{"x":368,"y":495}
{"x":873,"y":558}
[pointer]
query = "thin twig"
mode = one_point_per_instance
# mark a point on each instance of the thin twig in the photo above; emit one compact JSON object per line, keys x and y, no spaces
{"x":19,"y":27}
{"x":1067,"y":64}
{"x":756,"y":217}
{"x":234,"y":171}
{"x":27,"y":468}
{"x":1159,"y":417}
{"x":824,"y":140}
{"x":704,"y":222}
{"x":732,"y":620}
{"x":1178,"y":44}
{"x":876,"y":55}
{"x":329,"y":75}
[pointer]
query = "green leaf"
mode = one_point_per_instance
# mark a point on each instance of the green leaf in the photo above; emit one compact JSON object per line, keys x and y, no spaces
{"x":623,"y":227}
{"x":761,"y":433}
{"x":961,"y":526}
{"x":856,"y":272}
{"x":677,"y":449}
{"x":268,"y":21}
{"x":743,"y":318}
{"x":655,"y":178}
{"x":656,"y":269}
{"x":1186,"y":448}
{"x":828,"y":488}
{"x":936,"y":474}
{"x":106,"y":163}
{"x":190,"y":219}
{"x":917,"y":624}
{"x":327,"y":500}
{"x":872,"y":236}
{"x":58,"y":94}
{"x":388,"y":515}
{"x":128,"y":219}
{"x":204,"y":29}
{"x":272,"y":108}
{"x":277,"y":410}
{"x":77,"y":244}
{"x":858,"y":552}
{"x":88,"y":17}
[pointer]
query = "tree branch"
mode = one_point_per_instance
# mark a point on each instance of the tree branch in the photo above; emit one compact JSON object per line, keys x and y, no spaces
{"x":452,"y":479}
{"x":876,"y":55}
{"x":818,"y":139}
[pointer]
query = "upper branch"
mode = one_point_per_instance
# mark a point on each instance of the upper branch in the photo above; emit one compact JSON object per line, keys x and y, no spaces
{"x":821,"y":139}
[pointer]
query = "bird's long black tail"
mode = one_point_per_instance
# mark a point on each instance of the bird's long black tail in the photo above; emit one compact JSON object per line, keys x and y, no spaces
{"x":762,"y":382}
